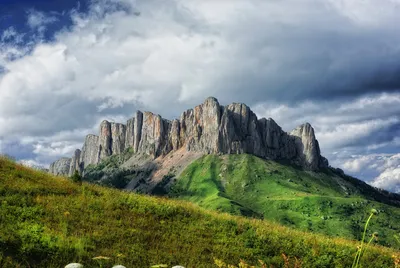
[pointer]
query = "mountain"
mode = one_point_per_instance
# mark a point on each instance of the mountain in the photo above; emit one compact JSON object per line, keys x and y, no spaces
{"x":49,"y":221}
{"x":226,"y":159}
{"x":209,"y":128}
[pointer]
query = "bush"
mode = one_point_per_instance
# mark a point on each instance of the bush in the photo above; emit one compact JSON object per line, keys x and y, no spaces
{"x":76,"y":177}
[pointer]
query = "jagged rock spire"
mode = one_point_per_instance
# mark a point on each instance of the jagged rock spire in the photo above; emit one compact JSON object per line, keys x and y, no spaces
{"x":309,"y":153}
{"x":207,"y":128}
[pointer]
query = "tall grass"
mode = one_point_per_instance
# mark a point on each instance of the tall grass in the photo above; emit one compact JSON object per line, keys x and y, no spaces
{"x":360,"y":248}
{"x":49,"y":222}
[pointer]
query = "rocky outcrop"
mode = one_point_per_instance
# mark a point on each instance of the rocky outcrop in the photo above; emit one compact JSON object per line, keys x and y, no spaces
{"x":105,"y":140}
{"x":90,"y":151}
{"x":154,"y":138}
{"x":199,"y":128}
{"x":240,"y":131}
{"x":308,"y":151}
{"x":278,"y":144}
{"x":75,"y":163}
{"x":129,"y":133}
{"x":118,"y":132}
{"x":60,"y":167}
{"x":208,"y":128}
{"x":174,"y":135}
{"x":137,"y":134}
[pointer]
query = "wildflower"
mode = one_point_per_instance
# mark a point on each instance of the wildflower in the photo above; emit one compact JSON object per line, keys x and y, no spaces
{"x":66,"y":214}
{"x":396,"y":261}
{"x":219,"y":262}
{"x":120,"y":255}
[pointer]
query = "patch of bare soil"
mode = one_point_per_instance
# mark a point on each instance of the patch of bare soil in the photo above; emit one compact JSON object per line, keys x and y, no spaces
{"x":152,"y":172}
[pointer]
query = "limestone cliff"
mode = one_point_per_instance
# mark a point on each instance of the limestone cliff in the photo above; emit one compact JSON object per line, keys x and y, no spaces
{"x":75,"y":163}
{"x":207,"y":128}
{"x":61,"y":166}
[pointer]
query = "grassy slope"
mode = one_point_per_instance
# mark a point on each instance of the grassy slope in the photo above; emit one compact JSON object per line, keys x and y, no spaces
{"x":317,"y":202}
{"x":48,"y":222}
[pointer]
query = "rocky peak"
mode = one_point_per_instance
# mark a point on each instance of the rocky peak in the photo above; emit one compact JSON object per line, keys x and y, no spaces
{"x":207,"y":128}
{"x":105,"y":139}
{"x":137,"y":134}
{"x":118,"y":132}
{"x":90,"y":151}
{"x":307,"y":145}
{"x":75,"y":163}
{"x":154,"y":132}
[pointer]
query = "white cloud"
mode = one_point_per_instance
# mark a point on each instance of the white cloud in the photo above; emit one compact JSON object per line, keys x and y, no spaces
{"x":347,"y":134}
{"x":38,"y":20}
{"x":342,"y":123}
{"x":389,"y":179}
{"x":358,"y":163}
{"x":8,"y":34}
{"x":381,"y":170}
{"x":367,"y":12}
{"x":31,"y":163}
{"x":281,"y":57}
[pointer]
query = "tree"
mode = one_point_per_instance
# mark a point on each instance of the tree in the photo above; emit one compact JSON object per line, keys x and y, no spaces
{"x":76,"y":177}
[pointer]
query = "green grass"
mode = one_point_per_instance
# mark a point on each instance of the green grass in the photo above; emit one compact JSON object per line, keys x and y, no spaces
{"x":49,"y":222}
{"x":318,"y":202}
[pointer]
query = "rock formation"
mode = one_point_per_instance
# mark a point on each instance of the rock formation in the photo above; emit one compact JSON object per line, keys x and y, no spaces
{"x":90,"y":151}
{"x":208,"y":128}
{"x":307,"y":146}
{"x":118,"y":132}
{"x":75,"y":163}
{"x":61,"y":166}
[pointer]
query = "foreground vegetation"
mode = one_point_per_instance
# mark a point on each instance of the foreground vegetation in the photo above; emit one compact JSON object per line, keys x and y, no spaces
{"x":326,"y":202}
{"x":48,"y":221}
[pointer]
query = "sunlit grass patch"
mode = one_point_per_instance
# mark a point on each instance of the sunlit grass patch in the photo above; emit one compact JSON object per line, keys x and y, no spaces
{"x":49,"y":222}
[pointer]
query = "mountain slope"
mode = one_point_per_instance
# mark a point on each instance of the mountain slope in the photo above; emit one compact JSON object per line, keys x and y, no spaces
{"x":321,"y":202}
{"x":49,"y":221}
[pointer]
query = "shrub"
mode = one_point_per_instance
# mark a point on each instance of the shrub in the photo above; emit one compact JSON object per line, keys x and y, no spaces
{"x":76,"y":177}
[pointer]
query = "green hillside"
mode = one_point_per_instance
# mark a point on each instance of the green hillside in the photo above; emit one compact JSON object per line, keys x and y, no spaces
{"x":317,"y":202}
{"x":49,"y":221}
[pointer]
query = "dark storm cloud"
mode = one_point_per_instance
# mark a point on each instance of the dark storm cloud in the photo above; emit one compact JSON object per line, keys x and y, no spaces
{"x":18,"y":150}
{"x":383,"y":135}
{"x":307,"y":64}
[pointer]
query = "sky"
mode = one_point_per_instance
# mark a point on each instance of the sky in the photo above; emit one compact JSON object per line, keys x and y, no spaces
{"x":67,"y":65}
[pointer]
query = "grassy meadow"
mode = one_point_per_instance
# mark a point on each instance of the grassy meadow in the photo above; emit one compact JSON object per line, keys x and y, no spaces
{"x":321,"y":202}
{"x":48,"y":221}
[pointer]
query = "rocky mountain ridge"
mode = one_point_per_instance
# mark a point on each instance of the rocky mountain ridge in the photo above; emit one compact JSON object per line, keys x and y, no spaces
{"x":209,"y":128}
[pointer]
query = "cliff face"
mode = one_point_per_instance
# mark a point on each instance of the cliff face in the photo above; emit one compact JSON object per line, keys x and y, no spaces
{"x":61,"y":166}
{"x":75,"y":163}
{"x":90,"y":151}
{"x":208,"y":128}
